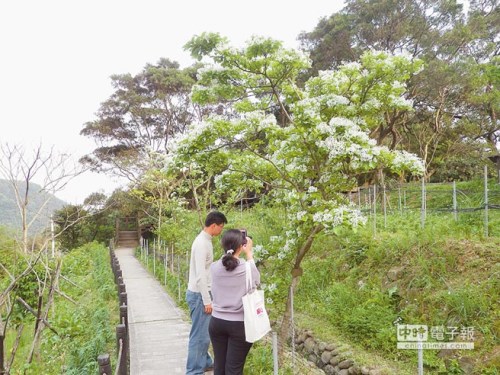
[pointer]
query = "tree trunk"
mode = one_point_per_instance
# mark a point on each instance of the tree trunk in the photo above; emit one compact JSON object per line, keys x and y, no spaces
{"x":296,"y":273}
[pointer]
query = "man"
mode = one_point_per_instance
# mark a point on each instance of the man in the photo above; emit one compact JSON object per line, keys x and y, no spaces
{"x":198,"y":294}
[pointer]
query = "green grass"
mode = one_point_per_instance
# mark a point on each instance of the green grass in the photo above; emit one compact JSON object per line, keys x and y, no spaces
{"x":85,"y":328}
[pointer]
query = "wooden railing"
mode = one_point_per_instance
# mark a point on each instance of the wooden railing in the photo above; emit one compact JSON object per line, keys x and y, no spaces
{"x":122,"y":332}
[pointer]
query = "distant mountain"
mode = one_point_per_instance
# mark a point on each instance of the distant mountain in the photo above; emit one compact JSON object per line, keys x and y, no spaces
{"x":9,"y":212}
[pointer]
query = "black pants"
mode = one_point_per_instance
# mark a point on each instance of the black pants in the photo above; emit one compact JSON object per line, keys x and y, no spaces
{"x":230,"y":347}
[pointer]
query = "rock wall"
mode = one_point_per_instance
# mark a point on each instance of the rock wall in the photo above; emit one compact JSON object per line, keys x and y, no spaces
{"x":329,"y":357}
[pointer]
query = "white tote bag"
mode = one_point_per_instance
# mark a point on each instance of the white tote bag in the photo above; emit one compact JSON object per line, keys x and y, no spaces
{"x":256,"y":320}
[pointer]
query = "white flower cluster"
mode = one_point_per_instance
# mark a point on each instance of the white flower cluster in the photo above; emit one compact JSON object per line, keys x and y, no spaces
{"x":208,"y":68}
{"x":269,"y":287}
{"x":300,"y":215}
{"x":322,"y":217}
{"x":260,"y":252}
{"x":331,"y":218}
{"x":346,"y":138}
{"x":312,"y":189}
{"x":409,"y":161}
{"x":372,"y":104}
{"x":400,"y":102}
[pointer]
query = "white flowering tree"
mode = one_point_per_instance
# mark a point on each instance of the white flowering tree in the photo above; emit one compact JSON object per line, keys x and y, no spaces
{"x":306,"y":146}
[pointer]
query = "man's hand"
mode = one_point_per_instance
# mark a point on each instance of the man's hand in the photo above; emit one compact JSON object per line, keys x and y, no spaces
{"x":208,"y":308}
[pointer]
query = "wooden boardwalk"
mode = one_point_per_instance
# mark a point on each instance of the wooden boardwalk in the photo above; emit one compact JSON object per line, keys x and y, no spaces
{"x":158,"y":329}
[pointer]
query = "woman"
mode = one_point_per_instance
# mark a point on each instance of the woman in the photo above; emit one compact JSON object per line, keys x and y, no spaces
{"x":226,"y":328}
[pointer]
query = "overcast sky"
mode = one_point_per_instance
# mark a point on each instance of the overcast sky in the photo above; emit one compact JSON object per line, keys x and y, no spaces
{"x":57,"y":57}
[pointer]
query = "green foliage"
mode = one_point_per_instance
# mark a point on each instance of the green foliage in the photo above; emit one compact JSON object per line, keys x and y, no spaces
{"x":135,"y":122}
{"x":456,"y":96}
{"x":85,"y":329}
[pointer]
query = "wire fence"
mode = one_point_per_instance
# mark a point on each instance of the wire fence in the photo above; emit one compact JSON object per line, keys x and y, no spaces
{"x":379,"y":201}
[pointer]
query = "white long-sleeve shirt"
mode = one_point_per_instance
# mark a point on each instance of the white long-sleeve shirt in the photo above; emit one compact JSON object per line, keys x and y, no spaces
{"x":202,"y":255}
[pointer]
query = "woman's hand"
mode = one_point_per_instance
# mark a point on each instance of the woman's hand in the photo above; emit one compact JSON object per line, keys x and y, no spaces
{"x":248,"y":249}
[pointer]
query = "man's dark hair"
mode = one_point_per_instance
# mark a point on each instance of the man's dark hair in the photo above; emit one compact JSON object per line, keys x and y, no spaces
{"x":215,"y":217}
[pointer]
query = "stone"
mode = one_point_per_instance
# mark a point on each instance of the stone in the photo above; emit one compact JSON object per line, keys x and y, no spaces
{"x":355,"y":370}
{"x":346,"y":364}
{"x":312,"y":358}
{"x":309,"y":345}
{"x":326,"y":356}
{"x":395,"y":273}
{"x":365,"y":371}
{"x":329,"y":370}
{"x":467,"y":365}
{"x":335,"y":361}
{"x":301,"y":338}
{"x":330,"y":347}
{"x":375,"y":372}
{"x":344,"y":372}
{"x":321,"y":346}
{"x":316,"y":349}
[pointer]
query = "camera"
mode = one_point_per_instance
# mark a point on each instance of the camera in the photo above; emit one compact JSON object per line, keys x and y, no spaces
{"x":244,"y":235}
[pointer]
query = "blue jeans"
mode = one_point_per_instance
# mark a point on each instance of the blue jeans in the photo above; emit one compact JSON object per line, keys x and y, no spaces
{"x":198,"y":358}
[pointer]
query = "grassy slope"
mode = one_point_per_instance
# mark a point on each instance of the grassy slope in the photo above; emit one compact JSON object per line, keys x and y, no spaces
{"x":355,"y":285}
{"x":86,"y":329}
{"x":437,"y":276}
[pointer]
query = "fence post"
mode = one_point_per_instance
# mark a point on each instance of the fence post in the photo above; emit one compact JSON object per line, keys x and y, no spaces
{"x":420,"y":358}
{"x":423,"y":205}
{"x":179,"y":277}
{"x":400,"y":205}
{"x":165,"y":266}
{"x":384,"y":198}
{"x":124,"y":316}
{"x":119,"y":272}
{"x":275,"y":353}
{"x":104,"y":364}
{"x":374,"y":210}
{"x":123,"y":299}
{"x":370,"y":200}
{"x":455,"y":212}
{"x":121,"y":335}
{"x":2,"y":368}
{"x":292,"y":318}
{"x":486,"y":201}
{"x":154,"y":256}
{"x":121,"y":287}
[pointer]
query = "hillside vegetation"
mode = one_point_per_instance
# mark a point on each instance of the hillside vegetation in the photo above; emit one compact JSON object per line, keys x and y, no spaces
{"x":357,"y":284}
{"x":83,"y":314}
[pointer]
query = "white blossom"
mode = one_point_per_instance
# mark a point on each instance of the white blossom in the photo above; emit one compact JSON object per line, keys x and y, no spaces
{"x":312,"y":189}
{"x":300,"y":215}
